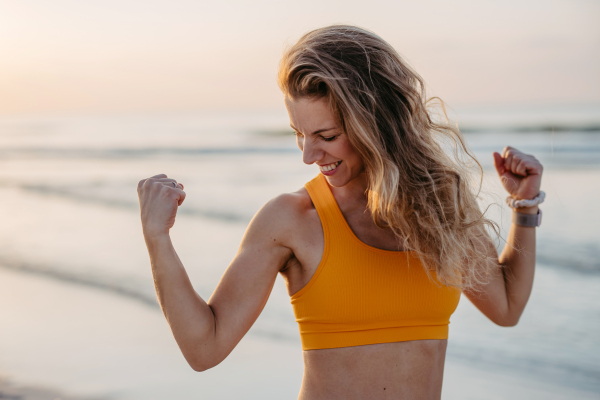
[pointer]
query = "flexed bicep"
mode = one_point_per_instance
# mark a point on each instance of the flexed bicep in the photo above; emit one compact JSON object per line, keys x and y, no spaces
{"x":247,"y":283}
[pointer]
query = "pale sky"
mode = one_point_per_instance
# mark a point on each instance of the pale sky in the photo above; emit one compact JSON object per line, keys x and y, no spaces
{"x":90,"y":56}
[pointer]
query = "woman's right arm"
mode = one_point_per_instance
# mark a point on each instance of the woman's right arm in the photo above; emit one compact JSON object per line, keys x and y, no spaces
{"x":207,"y":332}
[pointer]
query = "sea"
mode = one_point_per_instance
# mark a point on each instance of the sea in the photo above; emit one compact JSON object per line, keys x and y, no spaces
{"x":78,"y":311}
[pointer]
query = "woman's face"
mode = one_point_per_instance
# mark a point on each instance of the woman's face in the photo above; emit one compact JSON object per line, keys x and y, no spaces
{"x":322,"y":141}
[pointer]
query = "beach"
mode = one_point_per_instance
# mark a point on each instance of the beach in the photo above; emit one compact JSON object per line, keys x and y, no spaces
{"x":78,"y":309}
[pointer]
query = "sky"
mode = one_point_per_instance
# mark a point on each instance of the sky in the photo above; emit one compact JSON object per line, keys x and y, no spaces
{"x":73,"y":56}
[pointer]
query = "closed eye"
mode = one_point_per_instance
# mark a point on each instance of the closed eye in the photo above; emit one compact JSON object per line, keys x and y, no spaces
{"x":329,"y":139}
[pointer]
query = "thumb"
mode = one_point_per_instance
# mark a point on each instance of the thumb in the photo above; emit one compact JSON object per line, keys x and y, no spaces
{"x":499,"y":163}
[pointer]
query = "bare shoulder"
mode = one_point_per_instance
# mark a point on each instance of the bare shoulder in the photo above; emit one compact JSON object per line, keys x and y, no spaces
{"x":282,"y":217}
{"x":284,"y":211}
{"x":297,"y":202}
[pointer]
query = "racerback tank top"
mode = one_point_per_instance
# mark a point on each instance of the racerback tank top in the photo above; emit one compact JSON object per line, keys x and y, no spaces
{"x":362,"y":295}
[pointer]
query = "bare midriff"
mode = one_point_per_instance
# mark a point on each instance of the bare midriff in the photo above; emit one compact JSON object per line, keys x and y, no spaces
{"x":401,"y":370}
{"x":365,"y":335}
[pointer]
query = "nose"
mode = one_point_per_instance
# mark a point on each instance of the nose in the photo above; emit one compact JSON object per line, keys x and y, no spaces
{"x":311,"y":153}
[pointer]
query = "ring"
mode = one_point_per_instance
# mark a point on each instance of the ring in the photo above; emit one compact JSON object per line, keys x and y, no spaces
{"x":174,"y":184}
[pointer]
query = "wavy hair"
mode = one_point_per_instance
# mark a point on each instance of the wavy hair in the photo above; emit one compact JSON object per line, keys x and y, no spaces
{"x":420,"y":171}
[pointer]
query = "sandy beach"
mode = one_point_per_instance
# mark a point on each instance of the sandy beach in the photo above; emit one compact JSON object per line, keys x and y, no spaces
{"x":79,"y":319}
{"x":61,"y":340}
{"x":10,"y":391}
{"x":98,"y":95}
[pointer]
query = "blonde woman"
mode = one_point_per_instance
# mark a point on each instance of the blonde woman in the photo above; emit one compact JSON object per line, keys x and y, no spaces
{"x":376,"y":250}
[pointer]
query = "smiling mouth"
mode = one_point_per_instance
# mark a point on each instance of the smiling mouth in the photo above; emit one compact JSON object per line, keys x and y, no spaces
{"x":329,"y":167}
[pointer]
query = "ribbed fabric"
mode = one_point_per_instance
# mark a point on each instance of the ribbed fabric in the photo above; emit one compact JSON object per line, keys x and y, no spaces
{"x":363,"y":295}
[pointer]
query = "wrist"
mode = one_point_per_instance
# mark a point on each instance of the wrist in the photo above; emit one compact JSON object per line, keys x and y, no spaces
{"x":527,"y":220}
{"x":527,"y":210}
{"x":526,"y":206}
{"x":156,"y":238}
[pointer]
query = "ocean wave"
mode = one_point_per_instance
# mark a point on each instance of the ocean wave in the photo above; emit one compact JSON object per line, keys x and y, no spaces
{"x":556,"y":145}
{"x":68,"y":193}
{"x":124,"y":152}
{"x":541,"y":128}
{"x":564,"y":149}
{"x":105,"y":283}
{"x":550,"y":369}
{"x":265,"y":328}
{"x":577,"y":257}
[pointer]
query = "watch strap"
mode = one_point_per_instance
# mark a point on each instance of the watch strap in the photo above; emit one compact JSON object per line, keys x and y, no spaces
{"x":528,"y":220}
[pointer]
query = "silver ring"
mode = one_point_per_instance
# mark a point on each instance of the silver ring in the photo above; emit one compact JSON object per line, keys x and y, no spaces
{"x":174,"y":184}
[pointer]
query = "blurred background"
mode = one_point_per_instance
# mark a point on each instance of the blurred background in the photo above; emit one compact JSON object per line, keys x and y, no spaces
{"x":96,"y":95}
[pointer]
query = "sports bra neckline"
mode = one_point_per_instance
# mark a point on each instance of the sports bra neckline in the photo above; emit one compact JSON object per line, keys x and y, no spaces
{"x":340,"y":215}
{"x":362,"y":295}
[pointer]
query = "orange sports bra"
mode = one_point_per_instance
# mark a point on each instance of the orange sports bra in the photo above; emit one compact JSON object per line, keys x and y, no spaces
{"x":362,"y":295}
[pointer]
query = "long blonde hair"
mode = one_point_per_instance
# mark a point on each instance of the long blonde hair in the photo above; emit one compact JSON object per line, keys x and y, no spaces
{"x":419,"y":168}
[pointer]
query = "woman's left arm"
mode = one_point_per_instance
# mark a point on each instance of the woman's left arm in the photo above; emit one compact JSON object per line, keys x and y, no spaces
{"x":504,"y":297}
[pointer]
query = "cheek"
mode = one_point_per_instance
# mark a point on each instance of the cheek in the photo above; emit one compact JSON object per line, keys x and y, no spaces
{"x":351,"y":155}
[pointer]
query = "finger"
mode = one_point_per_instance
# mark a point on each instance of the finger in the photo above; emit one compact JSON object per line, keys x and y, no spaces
{"x":181,"y":198}
{"x":506,"y":151}
{"x":499,"y":163}
{"x":508,"y":162}
{"x":174,"y":184}
{"x":534,"y":167}
{"x":167,"y":181}
{"x":159,"y":176}
{"x":521,"y":167}
{"x":515,"y":159}
{"x":170,"y":181}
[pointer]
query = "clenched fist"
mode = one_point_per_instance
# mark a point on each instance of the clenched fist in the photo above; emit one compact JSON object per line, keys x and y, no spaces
{"x":159,"y":198}
{"x":520,"y":173}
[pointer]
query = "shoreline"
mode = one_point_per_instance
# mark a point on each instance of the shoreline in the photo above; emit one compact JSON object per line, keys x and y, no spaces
{"x":10,"y":390}
{"x":65,"y":341}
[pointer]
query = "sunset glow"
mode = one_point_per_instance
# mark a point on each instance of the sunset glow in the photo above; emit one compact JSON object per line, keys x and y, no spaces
{"x":128,"y":56}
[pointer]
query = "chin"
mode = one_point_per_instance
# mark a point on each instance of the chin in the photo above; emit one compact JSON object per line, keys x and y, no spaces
{"x":337,"y":181}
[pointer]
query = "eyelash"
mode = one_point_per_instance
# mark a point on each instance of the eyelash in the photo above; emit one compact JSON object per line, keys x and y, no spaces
{"x":327,"y":139}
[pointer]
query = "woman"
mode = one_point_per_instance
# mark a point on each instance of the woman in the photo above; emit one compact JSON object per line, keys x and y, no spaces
{"x":376,"y":250}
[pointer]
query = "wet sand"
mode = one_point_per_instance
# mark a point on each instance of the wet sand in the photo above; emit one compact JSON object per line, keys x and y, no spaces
{"x":11,"y":391}
{"x":93,"y":345}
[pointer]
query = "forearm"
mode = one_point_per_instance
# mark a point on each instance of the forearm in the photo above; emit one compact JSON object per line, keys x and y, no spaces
{"x":189,"y":316}
{"x":518,"y":261}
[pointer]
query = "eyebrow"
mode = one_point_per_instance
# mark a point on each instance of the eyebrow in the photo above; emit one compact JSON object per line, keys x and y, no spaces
{"x":315,"y":132}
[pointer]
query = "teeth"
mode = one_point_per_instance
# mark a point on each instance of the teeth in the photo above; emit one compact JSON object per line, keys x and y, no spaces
{"x":330,"y":166}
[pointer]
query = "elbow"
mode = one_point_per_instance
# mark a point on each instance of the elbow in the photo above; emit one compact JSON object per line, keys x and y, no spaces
{"x":201,"y":365}
{"x":508,"y":321}
{"x":200,"y":362}
{"x":198,"y":367}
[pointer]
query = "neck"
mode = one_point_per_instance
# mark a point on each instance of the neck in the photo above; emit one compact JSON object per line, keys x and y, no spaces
{"x":355,"y":190}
